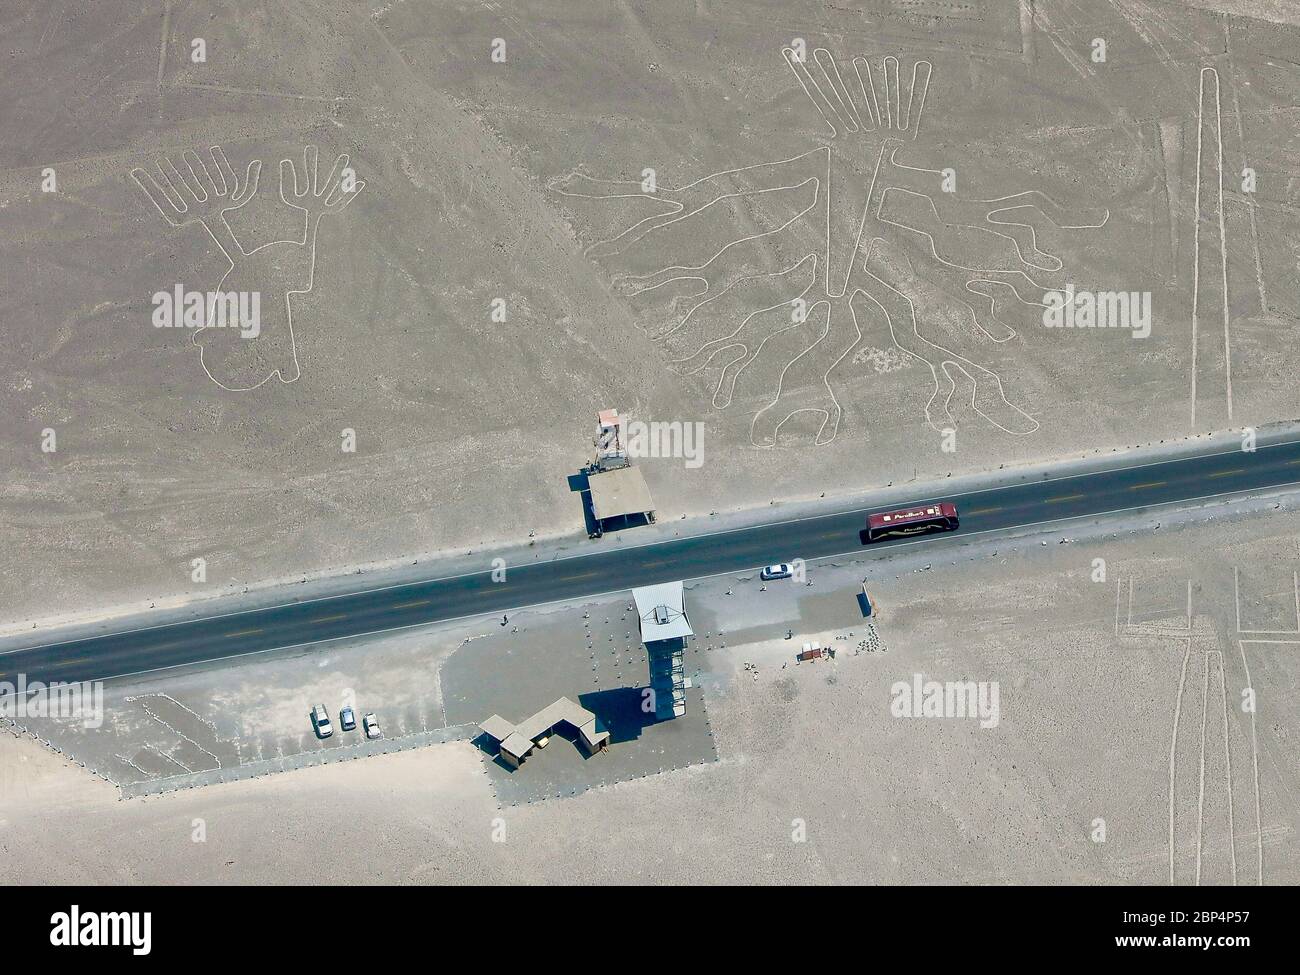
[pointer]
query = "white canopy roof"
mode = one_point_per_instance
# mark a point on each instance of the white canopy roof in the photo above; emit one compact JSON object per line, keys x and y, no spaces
{"x":662,"y":612}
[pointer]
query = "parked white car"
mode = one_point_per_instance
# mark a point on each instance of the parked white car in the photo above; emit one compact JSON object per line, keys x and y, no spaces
{"x":371,"y":726}
{"x":782,"y":570}
{"x":320,"y":720}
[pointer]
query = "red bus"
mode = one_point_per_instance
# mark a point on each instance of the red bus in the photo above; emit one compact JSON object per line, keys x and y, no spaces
{"x":912,"y":521}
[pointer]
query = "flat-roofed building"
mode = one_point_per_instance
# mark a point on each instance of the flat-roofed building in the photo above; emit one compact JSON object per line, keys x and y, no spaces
{"x":618,"y":496}
{"x":515,"y":748}
{"x":515,"y":741}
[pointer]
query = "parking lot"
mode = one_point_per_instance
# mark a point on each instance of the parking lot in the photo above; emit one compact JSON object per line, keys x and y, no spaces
{"x":253,"y":717}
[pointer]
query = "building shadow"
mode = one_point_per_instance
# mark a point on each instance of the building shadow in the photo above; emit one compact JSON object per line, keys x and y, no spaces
{"x":491,"y":748}
{"x":619,"y":711}
{"x":864,"y":604}
{"x":580,"y":484}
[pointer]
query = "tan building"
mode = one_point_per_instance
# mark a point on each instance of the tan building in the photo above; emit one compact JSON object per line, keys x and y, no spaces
{"x":514,"y":742}
{"x":617,"y":497}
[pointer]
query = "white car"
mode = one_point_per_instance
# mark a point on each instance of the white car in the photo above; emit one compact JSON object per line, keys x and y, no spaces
{"x":781,"y":570}
{"x":320,"y":720}
{"x":371,"y":725}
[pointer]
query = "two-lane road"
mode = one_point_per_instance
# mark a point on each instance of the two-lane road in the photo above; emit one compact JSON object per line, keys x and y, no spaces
{"x":609,"y":569}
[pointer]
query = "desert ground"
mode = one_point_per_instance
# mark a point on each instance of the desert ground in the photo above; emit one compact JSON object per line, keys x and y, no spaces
{"x":827,"y":234}
{"x":1122,"y":750}
{"x":728,"y":213}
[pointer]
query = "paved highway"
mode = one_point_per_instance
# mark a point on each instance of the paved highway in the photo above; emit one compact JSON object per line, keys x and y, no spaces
{"x":607,"y":569}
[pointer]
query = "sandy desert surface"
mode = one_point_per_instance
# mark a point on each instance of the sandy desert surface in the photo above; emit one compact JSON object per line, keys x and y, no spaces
{"x":826,"y":234}
{"x":519,"y":186}
{"x":1120,"y":702}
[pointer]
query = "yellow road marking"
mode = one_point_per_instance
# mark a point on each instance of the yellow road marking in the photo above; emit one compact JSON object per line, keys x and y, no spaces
{"x":413,"y":602}
{"x":1235,"y":470}
{"x":231,"y":636}
{"x":1149,"y":484}
{"x":983,"y":511}
{"x":1068,"y":497}
{"x":327,"y":619}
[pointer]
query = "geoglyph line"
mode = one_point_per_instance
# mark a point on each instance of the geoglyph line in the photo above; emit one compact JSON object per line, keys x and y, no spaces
{"x":1057,"y":264}
{"x":676,"y":209}
{"x":1236,"y":588}
{"x":735,"y":243}
{"x":168,"y":756}
{"x":1154,"y":628}
{"x":205,"y":195}
{"x":950,"y":358}
{"x":875,"y":106}
{"x":144,"y":699}
{"x":1173,"y":752}
{"x":1227,"y":765}
{"x":1249,"y":201}
{"x":847,"y":117}
{"x":1254,"y":762}
{"x":1208,"y":660}
{"x":728,"y":289}
{"x":1212,"y":74}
